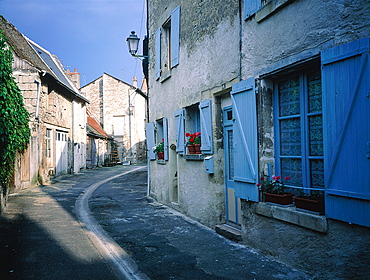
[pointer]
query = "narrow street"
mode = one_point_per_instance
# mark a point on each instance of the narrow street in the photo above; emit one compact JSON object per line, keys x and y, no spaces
{"x":46,"y":233}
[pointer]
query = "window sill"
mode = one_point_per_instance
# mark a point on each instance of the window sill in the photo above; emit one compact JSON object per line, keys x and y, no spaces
{"x":165,"y":76}
{"x":196,"y":157}
{"x":293,"y":216}
{"x":161,"y":161}
{"x":270,"y":8}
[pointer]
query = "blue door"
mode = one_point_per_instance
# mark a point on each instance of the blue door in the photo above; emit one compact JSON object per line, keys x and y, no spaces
{"x":233,"y":211}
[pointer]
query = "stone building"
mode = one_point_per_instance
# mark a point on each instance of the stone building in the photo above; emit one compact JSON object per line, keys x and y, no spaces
{"x":57,"y":112}
{"x":99,"y":144}
{"x":120,"y":109}
{"x":276,"y":88}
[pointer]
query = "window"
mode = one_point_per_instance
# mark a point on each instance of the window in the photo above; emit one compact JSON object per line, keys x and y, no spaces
{"x":195,"y":118}
{"x":299,"y":127}
{"x":262,"y":8}
{"x":167,"y":44}
{"x":118,"y":125}
{"x":48,"y":143}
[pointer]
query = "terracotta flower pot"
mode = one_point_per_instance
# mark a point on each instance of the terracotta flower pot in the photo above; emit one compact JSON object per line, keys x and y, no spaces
{"x":191,"y":149}
{"x":160,"y":155}
{"x":283,"y":199}
{"x":197,"y":148}
{"x":309,"y":204}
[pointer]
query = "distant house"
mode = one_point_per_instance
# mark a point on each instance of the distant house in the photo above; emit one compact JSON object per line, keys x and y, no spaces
{"x":57,"y":112}
{"x":99,"y":144}
{"x":120,"y":109}
{"x":276,"y":88}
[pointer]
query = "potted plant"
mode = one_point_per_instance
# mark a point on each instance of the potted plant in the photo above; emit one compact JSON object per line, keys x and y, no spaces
{"x":193,"y":143}
{"x":274,"y":190}
{"x":312,"y":201}
{"x":159,"y":150}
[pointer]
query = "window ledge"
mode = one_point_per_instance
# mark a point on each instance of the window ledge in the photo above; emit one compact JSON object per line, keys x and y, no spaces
{"x":165,"y":76}
{"x":194,"y":157}
{"x":161,"y":161}
{"x":270,"y":8}
{"x":291,"y":215}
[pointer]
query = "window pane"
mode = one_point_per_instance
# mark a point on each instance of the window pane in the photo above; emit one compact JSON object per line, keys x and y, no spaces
{"x":230,"y":153}
{"x":289,"y":97}
{"x":290,"y":137}
{"x":316,"y":136}
{"x":317,"y":173}
{"x":314,"y":92}
{"x":293,"y":169}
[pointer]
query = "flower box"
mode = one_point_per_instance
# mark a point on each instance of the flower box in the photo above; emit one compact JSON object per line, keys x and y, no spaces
{"x":309,"y":204}
{"x":283,"y":199}
{"x":160,"y":155}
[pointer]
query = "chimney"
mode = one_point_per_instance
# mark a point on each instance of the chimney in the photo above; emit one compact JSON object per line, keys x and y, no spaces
{"x":75,"y":77}
{"x":134,"y":82}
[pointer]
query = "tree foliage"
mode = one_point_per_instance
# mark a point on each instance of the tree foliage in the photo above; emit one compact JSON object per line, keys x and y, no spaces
{"x":14,"y":118}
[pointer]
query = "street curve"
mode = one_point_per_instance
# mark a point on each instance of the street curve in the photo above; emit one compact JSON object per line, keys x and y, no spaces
{"x":119,"y":261}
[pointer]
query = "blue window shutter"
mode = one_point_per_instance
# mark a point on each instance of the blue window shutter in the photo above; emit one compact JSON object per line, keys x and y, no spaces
{"x":250,"y":7}
{"x":245,"y":140}
{"x":175,"y":37}
{"x":165,"y":137}
{"x":206,"y":126}
{"x":346,"y":107}
{"x":180,"y":131}
{"x":158,"y":53}
{"x":150,"y":139}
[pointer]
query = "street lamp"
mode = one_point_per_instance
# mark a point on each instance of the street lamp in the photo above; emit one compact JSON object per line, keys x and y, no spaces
{"x":133,"y":45}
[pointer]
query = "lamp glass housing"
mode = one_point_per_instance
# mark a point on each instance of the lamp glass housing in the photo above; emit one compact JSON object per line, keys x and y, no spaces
{"x":133,"y":43}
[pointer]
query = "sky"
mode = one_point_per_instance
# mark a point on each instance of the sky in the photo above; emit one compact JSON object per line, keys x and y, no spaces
{"x":89,"y":35}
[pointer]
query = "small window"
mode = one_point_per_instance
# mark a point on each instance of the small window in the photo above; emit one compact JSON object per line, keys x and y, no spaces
{"x":118,"y":125}
{"x":167,"y":44}
{"x":48,"y":143}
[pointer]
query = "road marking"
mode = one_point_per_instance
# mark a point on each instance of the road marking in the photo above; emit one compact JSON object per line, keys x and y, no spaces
{"x":114,"y":255}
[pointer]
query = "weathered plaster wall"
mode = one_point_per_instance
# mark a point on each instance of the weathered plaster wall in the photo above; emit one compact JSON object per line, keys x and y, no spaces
{"x":300,"y":30}
{"x":204,"y":48}
{"x":343,"y":252}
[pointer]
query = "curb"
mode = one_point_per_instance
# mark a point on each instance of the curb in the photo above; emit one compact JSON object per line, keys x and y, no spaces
{"x":119,"y":261}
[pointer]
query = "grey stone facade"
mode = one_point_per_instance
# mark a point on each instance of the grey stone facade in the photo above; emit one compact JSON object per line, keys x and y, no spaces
{"x":218,"y":47}
{"x":120,"y":108}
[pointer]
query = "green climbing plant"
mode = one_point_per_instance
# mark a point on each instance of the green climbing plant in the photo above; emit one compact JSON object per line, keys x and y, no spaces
{"x":14,"y":118}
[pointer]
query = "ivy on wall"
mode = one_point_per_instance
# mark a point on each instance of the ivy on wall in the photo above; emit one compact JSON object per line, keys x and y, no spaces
{"x":14,"y":118}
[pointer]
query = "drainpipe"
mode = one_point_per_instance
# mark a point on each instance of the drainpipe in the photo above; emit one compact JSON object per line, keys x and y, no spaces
{"x":38,"y":99}
{"x":240,"y":39}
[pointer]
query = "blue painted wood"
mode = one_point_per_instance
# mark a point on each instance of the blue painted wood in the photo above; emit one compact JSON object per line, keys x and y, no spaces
{"x":180,"y":131}
{"x":346,"y":113}
{"x":205,"y":110}
{"x":158,"y":53}
{"x":165,"y":137}
{"x":245,"y":140}
{"x":175,"y":36}
{"x":250,"y":7}
{"x":150,"y":139}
